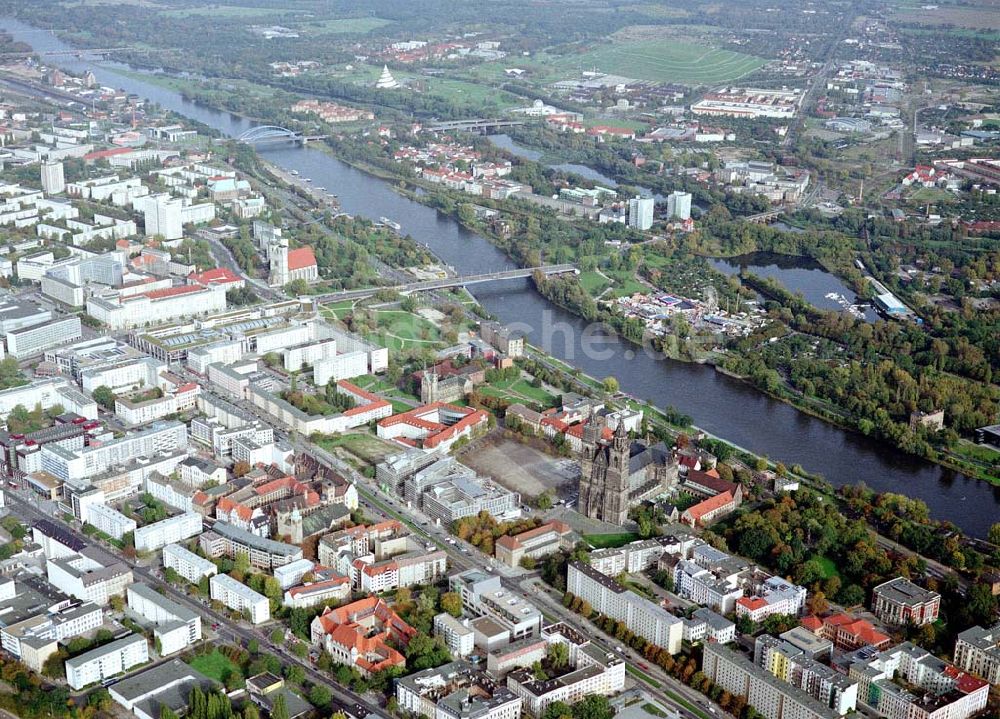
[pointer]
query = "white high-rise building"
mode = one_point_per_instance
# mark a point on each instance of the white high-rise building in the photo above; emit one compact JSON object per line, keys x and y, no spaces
{"x":679,"y":205}
{"x":163,"y":216}
{"x":168,"y":531}
{"x":53,"y":179}
{"x":640,"y":212}
{"x":187,"y":564}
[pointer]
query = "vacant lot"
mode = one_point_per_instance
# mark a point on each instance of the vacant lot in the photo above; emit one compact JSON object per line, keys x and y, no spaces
{"x":663,"y":62}
{"x":214,"y":665}
{"x":365,"y":447}
{"x":522,"y":469}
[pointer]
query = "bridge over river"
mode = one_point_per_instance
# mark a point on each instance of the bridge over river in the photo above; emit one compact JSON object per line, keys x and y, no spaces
{"x":446,"y":282}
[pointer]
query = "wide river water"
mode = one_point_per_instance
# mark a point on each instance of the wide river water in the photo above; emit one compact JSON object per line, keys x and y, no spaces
{"x":719,"y":404}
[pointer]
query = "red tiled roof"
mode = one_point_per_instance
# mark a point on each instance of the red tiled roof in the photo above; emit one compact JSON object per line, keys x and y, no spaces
{"x":711,"y":480}
{"x":752,"y":603}
{"x":300,"y":258}
{"x":173,"y":291}
{"x":318,"y":586}
{"x":709,"y":505}
{"x":101,"y":154}
{"x":217,"y":274}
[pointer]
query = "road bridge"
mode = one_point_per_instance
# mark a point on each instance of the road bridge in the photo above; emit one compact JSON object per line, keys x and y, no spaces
{"x":275,"y":133}
{"x":447,"y":282}
{"x":764,"y":218}
{"x":477,"y":125}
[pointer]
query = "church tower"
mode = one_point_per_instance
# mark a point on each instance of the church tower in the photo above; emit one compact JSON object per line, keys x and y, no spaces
{"x":278,"y":255}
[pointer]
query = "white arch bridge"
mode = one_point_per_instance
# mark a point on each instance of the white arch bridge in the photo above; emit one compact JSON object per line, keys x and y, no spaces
{"x":274,"y":133}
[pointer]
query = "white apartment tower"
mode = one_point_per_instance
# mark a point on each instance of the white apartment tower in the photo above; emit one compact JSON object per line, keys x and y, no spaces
{"x":640,"y":212}
{"x":53,"y":179}
{"x":679,"y":205}
{"x":162,"y":214}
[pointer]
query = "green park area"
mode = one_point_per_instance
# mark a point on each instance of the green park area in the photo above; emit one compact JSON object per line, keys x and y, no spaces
{"x":214,"y":665}
{"x":608,"y":541}
{"x":662,"y":61}
{"x":518,"y":390}
{"x":343,"y":26}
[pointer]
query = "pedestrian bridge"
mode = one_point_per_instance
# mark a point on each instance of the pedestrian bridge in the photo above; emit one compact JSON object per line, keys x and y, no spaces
{"x":448,"y":282}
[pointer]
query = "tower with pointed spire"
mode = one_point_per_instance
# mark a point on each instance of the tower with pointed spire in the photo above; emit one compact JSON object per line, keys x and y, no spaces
{"x":617,"y":475}
{"x":386,"y":81}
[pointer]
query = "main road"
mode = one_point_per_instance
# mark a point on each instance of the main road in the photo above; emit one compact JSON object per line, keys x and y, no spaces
{"x":227,"y":628}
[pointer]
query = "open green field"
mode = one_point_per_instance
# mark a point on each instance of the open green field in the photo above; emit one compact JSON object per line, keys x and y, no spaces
{"x":605,"y":541}
{"x":215,"y":665}
{"x":931,"y":194}
{"x":227,"y":11}
{"x":593,"y":282}
{"x":343,"y":26}
{"x":661,"y":61}
{"x":396,"y":329}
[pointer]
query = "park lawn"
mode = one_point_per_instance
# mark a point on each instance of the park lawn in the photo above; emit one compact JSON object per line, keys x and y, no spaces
{"x":371,"y":383}
{"x":931,"y":194}
{"x":398,"y":406}
{"x":660,"y":61}
{"x":610,"y":541}
{"x":215,"y":665}
{"x":636,"y":125}
{"x":339,"y":310}
{"x":525,"y":389}
{"x":626,"y":285}
{"x":593,"y":282}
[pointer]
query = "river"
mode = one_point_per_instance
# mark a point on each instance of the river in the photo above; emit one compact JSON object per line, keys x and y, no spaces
{"x":801,"y":275}
{"x":721,"y":405}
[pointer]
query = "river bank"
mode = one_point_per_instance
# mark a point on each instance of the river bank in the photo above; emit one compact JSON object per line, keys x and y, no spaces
{"x":722,"y":406}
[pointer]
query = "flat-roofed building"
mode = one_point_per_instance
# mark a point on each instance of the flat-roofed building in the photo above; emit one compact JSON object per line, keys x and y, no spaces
{"x":456,"y":691}
{"x":643,"y":617}
{"x":106,"y":661}
{"x":168,"y":531}
{"x":187,"y":564}
{"x":240,"y":597}
{"x":458,"y":637}
{"x":176,"y":628}
{"x":483,"y":595}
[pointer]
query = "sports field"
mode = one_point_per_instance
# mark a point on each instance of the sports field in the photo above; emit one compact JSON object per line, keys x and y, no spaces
{"x":663,"y":61}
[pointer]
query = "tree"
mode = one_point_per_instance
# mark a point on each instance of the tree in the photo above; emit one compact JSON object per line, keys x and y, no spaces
{"x":610,"y":385}
{"x":451,"y":602}
{"x":558,"y":655}
{"x":279,"y":710}
{"x":593,"y":707}
{"x":320,"y":696}
{"x":558,"y":710}
{"x":994,"y":534}
{"x":105,"y":397}
{"x":241,"y":468}
{"x":544,"y":501}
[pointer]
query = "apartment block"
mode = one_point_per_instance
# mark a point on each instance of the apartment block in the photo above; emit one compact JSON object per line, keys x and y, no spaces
{"x":106,"y":661}
{"x":168,"y":531}
{"x":109,"y":520}
{"x":643,"y":617}
{"x":176,"y":627}
{"x":82,"y":576}
{"x":791,"y":664}
{"x":459,"y":638}
{"x":977,"y":650}
{"x":771,"y":697}
{"x":240,"y":597}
